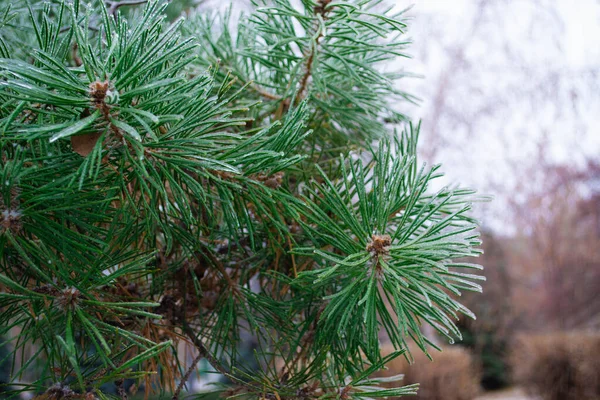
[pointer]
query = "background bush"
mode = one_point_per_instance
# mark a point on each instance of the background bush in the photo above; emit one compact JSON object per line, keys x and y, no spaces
{"x":561,"y":366}
{"x":488,"y":338}
{"x":452,"y":375}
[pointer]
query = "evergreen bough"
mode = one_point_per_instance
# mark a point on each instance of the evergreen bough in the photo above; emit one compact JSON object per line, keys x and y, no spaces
{"x":166,"y":183}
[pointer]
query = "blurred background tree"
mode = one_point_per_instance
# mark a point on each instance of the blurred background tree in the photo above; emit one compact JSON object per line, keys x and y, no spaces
{"x":511,"y":90}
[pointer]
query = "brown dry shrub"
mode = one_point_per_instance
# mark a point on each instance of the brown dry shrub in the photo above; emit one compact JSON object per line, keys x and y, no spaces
{"x":559,"y":366}
{"x":452,"y":375}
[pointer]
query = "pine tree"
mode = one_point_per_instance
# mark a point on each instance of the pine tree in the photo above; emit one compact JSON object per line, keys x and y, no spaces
{"x":205,"y":183}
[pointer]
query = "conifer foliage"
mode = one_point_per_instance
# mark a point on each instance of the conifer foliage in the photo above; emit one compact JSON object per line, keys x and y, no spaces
{"x":184,"y":187}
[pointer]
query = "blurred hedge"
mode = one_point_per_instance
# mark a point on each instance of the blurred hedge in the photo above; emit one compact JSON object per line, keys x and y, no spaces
{"x":561,"y":366}
{"x":452,"y":375}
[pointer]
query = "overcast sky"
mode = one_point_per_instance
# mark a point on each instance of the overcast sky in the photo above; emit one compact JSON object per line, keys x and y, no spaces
{"x":505,"y":82}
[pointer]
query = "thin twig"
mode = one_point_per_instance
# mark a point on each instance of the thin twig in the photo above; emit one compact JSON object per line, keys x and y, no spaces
{"x":115,"y":5}
{"x":76,"y":59}
{"x":320,"y":9}
{"x":67,"y":27}
{"x":215,"y":261}
{"x":120,"y":389}
{"x":264,"y":93}
{"x":187,"y":375}
{"x":203,"y":352}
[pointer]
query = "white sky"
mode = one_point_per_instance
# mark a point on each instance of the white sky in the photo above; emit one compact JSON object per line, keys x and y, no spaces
{"x":528,"y":72}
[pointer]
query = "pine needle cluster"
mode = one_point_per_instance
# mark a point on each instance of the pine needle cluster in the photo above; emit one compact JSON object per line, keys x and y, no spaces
{"x":184,"y":187}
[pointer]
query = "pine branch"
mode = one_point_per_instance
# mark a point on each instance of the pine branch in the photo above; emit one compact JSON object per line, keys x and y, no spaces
{"x":320,"y":11}
{"x":166,"y":182}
